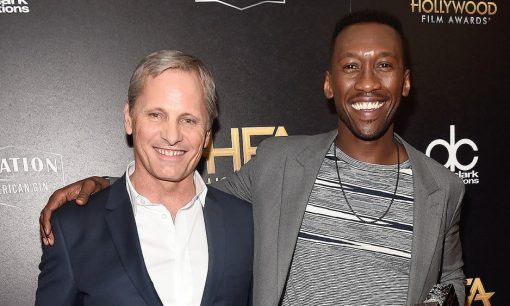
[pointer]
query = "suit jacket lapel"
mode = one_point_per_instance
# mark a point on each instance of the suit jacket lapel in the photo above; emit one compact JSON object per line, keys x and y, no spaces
{"x":299,"y":177}
{"x":121,"y":224}
{"x":298,"y":180}
{"x":214,"y":227}
{"x":427,"y":220}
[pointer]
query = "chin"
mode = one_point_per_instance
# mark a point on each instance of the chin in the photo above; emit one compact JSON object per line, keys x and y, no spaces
{"x":367,"y":130}
{"x":169,"y":176}
{"x":370,"y":135}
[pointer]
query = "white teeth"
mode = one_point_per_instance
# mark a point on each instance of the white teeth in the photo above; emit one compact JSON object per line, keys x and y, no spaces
{"x":367,"y":105}
{"x":169,"y":152}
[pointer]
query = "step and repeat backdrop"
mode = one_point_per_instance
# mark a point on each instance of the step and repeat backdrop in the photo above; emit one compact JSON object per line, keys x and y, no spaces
{"x":65,"y":68}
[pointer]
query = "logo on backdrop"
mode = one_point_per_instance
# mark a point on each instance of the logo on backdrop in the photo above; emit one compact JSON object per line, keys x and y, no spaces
{"x":13,"y":6}
{"x":234,"y":151}
{"x":477,"y":292}
{"x":454,"y":11}
{"x":465,"y":171}
{"x":243,"y":4}
{"x":27,"y":171}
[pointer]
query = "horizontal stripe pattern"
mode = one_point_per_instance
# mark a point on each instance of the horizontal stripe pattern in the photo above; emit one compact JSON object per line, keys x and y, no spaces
{"x":340,"y":260}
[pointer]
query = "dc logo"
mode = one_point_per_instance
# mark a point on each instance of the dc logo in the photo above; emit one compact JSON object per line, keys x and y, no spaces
{"x":452,"y":148}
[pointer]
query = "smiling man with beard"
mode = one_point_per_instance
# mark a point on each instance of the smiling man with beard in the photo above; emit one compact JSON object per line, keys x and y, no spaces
{"x":355,"y":216}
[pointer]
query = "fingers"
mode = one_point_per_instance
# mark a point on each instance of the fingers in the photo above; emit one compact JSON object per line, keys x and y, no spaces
{"x":80,"y":191}
{"x":57,"y":199}
{"x":45,"y":227}
{"x":89,"y":187}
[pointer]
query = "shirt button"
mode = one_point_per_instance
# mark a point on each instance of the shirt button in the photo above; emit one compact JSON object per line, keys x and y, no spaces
{"x":163,"y":216}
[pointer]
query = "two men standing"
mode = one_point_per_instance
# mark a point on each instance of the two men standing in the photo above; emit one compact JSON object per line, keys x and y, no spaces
{"x":355,"y":216}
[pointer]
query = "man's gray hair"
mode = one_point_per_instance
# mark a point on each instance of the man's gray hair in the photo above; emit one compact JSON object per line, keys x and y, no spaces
{"x":156,"y":63}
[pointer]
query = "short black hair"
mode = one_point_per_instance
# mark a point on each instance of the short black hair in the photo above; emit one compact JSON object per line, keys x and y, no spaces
{"x":376,"y":16}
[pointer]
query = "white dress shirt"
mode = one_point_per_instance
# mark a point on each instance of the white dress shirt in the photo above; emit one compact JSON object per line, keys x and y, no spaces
{"x":175,"y":252}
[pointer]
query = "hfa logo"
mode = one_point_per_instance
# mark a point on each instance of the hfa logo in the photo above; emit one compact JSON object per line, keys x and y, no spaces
{"x":469,"y":177}
{"x":234,"y":150}
{"x":243,"y":4}
{"x":477,"y":293}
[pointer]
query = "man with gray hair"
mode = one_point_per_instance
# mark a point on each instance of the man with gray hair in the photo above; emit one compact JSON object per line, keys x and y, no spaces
{"x":355,"y":216}
{"x":161,"y":233}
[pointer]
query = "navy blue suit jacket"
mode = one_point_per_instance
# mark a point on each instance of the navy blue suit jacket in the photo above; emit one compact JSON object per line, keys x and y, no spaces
{"x":97,"y":258}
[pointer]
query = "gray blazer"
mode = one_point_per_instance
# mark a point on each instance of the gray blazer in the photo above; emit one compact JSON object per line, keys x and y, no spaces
{"x":278,"y":182}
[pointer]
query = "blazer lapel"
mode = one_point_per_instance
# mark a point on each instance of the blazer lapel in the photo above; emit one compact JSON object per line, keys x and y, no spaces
{"x":298,"y":180}
{"x":299,"y":177}
{"x":427,"y":218}
{"x":214,"y":227}
{"x":121,"y":224}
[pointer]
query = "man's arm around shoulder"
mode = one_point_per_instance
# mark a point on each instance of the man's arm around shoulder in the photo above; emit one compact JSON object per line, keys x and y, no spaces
{"x":243,"y":183}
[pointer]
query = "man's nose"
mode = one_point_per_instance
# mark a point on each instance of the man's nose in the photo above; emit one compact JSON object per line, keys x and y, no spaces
{"x":171,"y":132}
{"x":367,"y":81}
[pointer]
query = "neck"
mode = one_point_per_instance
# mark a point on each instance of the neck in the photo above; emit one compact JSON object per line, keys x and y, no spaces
{"x":173,"y":195}
{"x":382,"y":150}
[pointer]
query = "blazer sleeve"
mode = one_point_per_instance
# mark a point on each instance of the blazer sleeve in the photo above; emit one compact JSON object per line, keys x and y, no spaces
{"x":56,"y":285}
{"x":452,"y":263}
{"x":243,"y":182}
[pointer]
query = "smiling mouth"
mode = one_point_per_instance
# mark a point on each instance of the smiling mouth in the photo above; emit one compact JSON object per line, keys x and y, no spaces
{"x":167,"y":152}
{"x":367,"y":106}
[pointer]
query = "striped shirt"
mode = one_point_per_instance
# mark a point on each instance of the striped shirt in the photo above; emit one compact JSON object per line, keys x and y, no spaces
{"x":340,"y":260}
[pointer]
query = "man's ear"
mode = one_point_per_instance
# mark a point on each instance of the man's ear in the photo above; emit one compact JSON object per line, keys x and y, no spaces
{"x":328,"y":89}
{"x":128,"y":121}
{"x":207,"y":138}
{"x":407,"y":83}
